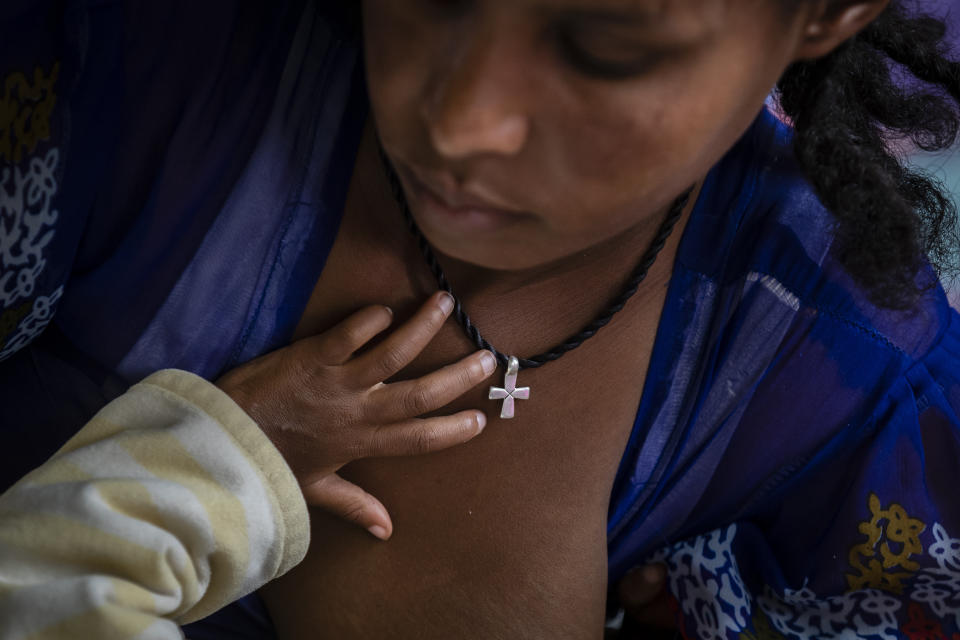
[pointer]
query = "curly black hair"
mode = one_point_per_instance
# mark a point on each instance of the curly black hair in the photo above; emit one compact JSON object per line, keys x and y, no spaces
{"x":852,"y":111}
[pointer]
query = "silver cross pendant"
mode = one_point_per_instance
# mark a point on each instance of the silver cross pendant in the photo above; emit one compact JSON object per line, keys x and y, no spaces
{"x":510,"y":392}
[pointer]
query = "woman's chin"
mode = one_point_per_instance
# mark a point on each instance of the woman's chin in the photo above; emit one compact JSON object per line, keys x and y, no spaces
{"x":512,"y":252}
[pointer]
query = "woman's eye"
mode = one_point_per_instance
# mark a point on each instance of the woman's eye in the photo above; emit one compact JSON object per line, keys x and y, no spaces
{"x":608,"y":67}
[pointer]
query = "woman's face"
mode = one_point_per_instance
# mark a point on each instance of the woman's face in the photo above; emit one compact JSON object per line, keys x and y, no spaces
{"x":526,"y":131}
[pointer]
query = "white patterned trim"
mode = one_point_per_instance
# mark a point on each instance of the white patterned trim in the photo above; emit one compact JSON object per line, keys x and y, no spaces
{"x":705,"y":579}
{"x":26,"y":225}
{"x":33,"y":324}
{"x":939,"y":587}
{"x":26,"y":228}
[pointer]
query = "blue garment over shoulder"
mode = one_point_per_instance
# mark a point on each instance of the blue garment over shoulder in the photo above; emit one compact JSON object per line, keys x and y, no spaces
{"x":796,"y":450}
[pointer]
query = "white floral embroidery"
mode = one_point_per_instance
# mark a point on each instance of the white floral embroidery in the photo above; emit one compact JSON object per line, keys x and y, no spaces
{"x":26,"y":225}
{"x":26,"y":228}
{"x":939,"y":587}
{"x":705,"y":579}
{"x":33,"y":324}
{"x":801,"y":614}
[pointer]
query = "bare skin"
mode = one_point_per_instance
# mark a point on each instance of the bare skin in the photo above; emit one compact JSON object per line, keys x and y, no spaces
{"x":521,"y":512}
{"x":325,"y":374}
{"x":550,"y":183}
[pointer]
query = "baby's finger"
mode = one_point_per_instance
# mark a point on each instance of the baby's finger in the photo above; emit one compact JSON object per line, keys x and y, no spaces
{"x":642,"y":585}
{"x":351,"y":503}
{"x":413,"y":398}
{"x":336,"y":345}
{"x":644,"y":596}
{"x":424,"y":435}
{"x":404,"y":344}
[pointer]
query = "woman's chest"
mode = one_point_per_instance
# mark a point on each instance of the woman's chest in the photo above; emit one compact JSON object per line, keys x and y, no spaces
{"x":568,"y":435}
{"x":503,"y":536}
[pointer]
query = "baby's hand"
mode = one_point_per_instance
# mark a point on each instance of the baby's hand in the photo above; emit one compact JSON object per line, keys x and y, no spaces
{"x":646,"y":599}
{"x":323,"y":407}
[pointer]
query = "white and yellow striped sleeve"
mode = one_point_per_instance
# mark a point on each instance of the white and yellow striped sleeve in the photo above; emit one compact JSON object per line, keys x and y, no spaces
{"x":167,"y":505}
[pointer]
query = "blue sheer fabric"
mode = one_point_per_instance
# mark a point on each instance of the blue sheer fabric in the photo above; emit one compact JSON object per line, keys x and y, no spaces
{"x":796,"y":450}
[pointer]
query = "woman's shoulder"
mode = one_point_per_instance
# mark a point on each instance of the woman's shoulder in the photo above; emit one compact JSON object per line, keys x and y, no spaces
{"x":802,"y":367}
{"x":782,"y":240}
{"x":793,"y":335}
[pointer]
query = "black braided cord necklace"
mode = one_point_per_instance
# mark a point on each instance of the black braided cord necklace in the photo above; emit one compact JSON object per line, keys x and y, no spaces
{"x":510,"y":392}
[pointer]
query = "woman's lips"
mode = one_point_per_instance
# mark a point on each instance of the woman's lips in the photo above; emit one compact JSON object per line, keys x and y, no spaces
{"x":460,"y":209}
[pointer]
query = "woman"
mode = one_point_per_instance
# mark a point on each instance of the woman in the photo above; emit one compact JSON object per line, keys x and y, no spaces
{"x":540,"y":147}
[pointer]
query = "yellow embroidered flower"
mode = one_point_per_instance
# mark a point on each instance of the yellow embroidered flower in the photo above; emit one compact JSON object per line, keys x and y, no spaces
{"x":892,"y":538}
{"x":25,"y":110}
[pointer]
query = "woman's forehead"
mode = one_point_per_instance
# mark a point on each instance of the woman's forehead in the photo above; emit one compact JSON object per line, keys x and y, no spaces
{"x":673,"y":20}
{"x":705,"y":14}
{"x":630,"y":9}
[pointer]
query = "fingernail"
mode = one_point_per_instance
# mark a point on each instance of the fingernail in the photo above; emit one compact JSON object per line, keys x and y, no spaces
{"x":488,"y":362}
{"x":378,"y":532}
{"x":446,"y":302}
{"x":481,"y":422}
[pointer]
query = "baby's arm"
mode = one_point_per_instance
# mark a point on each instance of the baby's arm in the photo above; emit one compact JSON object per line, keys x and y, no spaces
{"x":173,"y":502}
{"x":168,"y":505}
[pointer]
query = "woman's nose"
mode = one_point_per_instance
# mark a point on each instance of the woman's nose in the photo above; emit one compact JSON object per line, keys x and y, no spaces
{"x":477,"y":103}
